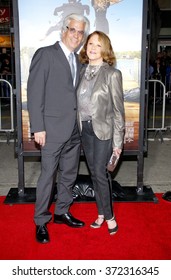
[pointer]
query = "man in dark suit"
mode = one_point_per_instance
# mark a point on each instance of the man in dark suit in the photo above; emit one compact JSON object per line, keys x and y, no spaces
{"x":53,"y":110}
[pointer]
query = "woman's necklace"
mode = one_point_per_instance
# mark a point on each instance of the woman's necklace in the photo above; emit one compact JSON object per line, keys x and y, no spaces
{"x":91,"y":71}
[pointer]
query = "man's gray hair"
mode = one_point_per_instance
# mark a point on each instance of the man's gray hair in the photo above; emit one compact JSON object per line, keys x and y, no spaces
{"x":76,"y":17}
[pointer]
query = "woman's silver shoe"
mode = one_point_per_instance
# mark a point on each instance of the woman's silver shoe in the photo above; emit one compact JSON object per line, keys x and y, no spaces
{"x":114,"y":230}
{"x":96,"y":224}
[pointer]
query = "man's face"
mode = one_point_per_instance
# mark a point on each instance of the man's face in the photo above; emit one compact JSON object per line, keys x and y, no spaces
{"x":74,"y":35}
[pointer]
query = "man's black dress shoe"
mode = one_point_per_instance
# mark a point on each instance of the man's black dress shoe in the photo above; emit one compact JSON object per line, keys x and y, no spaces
{"x":167,"y":196}
{"x":68,"y":219}
{"x":42,"y":235}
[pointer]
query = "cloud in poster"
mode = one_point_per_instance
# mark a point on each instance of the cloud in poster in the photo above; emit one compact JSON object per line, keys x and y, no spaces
{"x":36,"y":17}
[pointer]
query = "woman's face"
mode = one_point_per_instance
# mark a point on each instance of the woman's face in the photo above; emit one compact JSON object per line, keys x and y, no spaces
{"x":94,"y":49}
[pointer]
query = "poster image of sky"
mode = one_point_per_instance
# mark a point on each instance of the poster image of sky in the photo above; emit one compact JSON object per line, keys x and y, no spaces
{"x":41,"y":20}
{"x":40,"y":23}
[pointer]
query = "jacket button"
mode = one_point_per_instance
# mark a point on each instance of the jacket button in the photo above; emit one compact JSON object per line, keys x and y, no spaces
{"x":75,"y":109}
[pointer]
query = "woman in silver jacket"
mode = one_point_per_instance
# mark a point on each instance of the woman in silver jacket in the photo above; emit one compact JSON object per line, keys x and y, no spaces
{"x":101,"y":119}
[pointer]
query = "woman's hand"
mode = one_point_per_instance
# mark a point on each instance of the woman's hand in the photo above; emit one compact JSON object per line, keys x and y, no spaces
{"x":117,"y":151}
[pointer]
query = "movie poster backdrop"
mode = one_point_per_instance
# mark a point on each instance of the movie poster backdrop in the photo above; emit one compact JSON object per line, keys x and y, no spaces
{"x":40,"y":23}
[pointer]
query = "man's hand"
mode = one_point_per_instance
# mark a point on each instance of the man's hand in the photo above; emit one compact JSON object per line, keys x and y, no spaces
{"x":40,"y":137}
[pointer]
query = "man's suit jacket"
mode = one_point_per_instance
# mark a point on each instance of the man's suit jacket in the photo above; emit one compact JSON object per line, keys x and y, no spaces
{"x":51,"y":96}
{"x":108,"y":115}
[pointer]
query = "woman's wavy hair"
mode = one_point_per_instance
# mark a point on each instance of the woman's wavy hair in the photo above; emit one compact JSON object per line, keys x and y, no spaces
{"x":107,"y":50}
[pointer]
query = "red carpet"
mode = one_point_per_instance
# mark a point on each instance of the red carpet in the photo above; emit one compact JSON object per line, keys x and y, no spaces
{"x":144,"y":234}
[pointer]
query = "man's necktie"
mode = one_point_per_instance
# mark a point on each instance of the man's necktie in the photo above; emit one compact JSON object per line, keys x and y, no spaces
{"x":71,"y":62}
